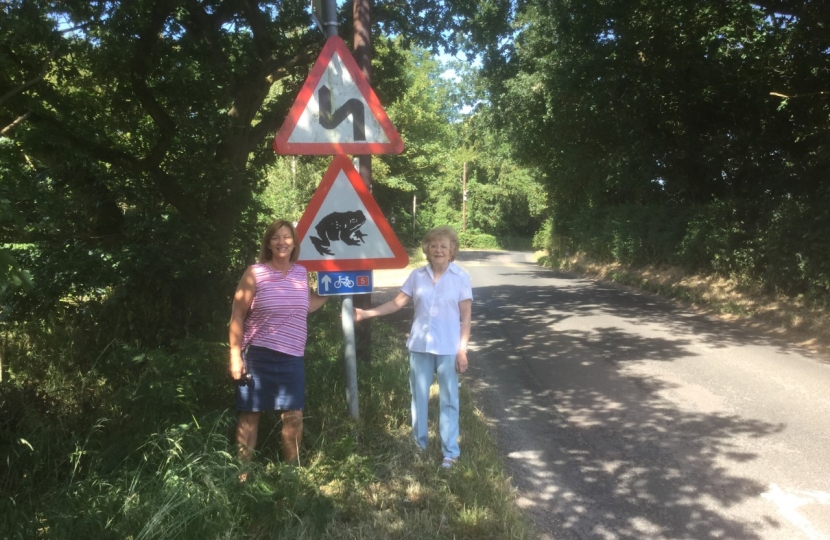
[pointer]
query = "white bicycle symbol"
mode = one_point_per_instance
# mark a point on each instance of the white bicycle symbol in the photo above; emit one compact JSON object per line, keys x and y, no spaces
{"x":344,"y":281}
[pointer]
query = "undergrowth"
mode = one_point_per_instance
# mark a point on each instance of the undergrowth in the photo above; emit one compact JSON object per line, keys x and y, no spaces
{"x":131,"y":443}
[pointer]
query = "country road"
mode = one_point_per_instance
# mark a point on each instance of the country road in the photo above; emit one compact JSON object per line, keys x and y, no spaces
{"x":622,"y":416}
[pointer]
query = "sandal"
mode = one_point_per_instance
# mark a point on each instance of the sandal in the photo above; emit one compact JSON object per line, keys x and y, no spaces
{"x":448,"y":462}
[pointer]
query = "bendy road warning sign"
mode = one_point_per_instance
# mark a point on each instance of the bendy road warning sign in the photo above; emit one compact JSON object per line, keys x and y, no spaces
{"x":336,"y":111}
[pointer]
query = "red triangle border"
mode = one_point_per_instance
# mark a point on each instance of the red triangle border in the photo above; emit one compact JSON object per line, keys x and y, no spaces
{"x":343,"y":163}
{"x":334,"y":45}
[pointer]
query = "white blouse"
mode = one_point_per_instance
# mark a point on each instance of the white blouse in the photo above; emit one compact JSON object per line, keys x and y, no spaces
{"x":436,"y":325}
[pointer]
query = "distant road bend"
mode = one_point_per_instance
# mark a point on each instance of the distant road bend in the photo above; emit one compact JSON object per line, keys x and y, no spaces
{"x":622,"y":416}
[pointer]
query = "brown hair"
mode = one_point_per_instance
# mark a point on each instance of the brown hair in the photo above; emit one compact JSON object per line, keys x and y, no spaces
{"x":265,"y":254}
{"x":444,"y":231}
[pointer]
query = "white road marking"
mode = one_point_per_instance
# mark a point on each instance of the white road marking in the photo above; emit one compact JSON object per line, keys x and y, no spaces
{"x":789,"y":500}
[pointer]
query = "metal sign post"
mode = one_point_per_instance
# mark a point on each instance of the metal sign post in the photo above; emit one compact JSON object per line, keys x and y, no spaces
{"x":347,"y":307}
{"x":342,"y":231}
{"x":350,"y":355}
{"x":345,"y":283}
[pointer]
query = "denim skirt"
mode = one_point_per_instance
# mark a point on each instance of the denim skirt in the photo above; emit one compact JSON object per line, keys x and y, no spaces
{"x":277,"y":382}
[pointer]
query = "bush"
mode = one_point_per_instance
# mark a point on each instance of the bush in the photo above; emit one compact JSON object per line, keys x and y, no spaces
{"x":543,"y":239}
{"x":473,"y":239}
{"x":796,"y":259}
{"x":778,"y":244}
{"x":631,"y":234}
{"x":131,"y":442}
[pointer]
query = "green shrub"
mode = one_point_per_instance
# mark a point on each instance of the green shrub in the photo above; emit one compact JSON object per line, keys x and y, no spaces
{"x":543,"y":239}
{"x":796,"y":258}
{"x":474,"y":239}
{"x":632,"y":234}
{"x":779,"y":244}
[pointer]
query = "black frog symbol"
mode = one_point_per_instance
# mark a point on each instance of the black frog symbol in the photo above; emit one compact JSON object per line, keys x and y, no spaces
{"x":343,"y":226}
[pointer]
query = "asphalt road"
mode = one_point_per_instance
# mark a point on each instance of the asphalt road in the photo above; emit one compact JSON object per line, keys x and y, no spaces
{"x":623,"y":416}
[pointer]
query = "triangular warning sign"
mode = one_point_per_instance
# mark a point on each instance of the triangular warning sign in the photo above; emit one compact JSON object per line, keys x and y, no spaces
{"x":343,"y":227}
{"x":337,"y":112}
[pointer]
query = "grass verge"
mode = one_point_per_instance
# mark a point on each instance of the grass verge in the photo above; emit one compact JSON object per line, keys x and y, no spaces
{"x":139,"y":446}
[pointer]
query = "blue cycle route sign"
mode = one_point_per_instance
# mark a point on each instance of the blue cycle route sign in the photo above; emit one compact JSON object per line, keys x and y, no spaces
{"x":343,"y":282}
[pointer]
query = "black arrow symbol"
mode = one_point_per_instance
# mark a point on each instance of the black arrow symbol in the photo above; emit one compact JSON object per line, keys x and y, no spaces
{"x":353,"y":107}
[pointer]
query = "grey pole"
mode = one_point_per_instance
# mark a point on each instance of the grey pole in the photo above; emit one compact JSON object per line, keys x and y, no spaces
{"x":330,"y":17}
{"x":347,"y":315}
{"x":347,"y":308}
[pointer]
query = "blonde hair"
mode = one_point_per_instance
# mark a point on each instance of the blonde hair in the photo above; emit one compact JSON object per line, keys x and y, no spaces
{"x":265,"y":254}
{"x":444,"y":231}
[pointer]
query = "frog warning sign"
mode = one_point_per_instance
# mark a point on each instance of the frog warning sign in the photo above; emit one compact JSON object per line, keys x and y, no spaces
{"x":344,"y":229}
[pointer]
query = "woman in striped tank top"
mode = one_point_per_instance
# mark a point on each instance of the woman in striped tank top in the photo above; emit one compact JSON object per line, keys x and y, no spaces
{"x":267,"y":340}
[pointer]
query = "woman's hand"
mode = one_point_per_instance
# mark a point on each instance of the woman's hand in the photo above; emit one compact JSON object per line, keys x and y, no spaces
{"x":237,"y":368}
{"x":359,"y":315}
{"x":461,"y":363}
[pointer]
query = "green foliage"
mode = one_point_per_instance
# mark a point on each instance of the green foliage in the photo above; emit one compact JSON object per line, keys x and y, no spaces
{"x":475,"y":239}
{"x":12,"y":275}
{"x":630,"y":234}
{"x":543,"y":239}
{"x":135,"y":174}
{"x":685,"y":132}
{"x":621,"y":107}
{"x":422,"y":112}
{"x":471,"y":239}
{"x":775,"y":245}
{"x":505,"y":198}
{"x":289,"y":185}
{"x":136,"y":443}
{"x":795,"y":258}
{"x":77,"y":431}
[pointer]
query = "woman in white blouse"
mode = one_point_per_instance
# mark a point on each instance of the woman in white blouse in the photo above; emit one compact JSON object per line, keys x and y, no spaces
{"x":440,"y":332}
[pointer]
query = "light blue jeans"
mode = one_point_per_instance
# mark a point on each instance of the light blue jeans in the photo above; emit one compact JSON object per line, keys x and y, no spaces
{"x":422,"y":366}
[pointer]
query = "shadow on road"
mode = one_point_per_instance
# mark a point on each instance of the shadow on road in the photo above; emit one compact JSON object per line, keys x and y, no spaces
{"x":640,"y":307}
{"x":598,"y":452}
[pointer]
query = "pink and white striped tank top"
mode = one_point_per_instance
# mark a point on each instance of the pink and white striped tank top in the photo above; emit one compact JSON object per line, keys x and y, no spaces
{"x":277,"y":318}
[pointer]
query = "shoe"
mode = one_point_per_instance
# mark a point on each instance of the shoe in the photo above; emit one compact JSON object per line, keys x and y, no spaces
{"x":448,"y":462}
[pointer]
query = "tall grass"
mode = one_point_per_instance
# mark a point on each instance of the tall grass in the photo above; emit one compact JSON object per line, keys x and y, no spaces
{"x":137,"y":444}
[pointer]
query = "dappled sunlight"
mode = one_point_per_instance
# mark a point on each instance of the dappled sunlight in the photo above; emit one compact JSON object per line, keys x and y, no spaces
{"x":570,"y":300}
{"x":624,"y":449}
{"x":796,"y":319}
{"x":643,"y":456}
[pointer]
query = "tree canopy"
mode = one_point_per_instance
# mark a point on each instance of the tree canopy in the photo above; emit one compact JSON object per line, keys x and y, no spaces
{"x":671,"y":103}
{"x":136,"y":137}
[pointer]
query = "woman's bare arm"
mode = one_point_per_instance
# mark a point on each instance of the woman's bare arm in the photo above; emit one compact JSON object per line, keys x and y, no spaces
{"x":384,"y":309}
{"x":466,"y":309}
{"x":315,"y":301}
{"x":242,"y":299}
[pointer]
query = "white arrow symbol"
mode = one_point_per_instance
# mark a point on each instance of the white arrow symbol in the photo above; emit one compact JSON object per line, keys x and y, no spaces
{"x":325,"y":281}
